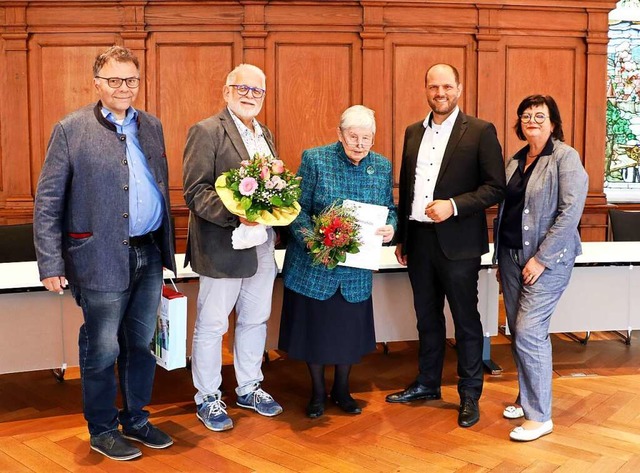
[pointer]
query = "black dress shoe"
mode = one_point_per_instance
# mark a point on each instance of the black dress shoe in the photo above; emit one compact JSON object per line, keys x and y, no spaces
{"x":415,"y":392}
{"x":347,"y":404}
{"x":469,"y":412}
{"x":315,"y":408}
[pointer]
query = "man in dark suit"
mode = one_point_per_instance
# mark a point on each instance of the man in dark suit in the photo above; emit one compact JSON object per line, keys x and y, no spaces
{"x":102,"y":222}
{"x":229,"y":277}
{"x":452,"y":170}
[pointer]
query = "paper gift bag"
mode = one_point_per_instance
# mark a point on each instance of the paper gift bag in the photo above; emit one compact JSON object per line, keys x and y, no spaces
{"x":169,"y":343}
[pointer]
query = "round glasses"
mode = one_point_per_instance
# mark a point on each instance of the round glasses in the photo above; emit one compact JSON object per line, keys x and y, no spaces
{"x":243,"y":90}
{"x":355,"y":141}
{"x":115,"y":82}
{"x":539,"y":118}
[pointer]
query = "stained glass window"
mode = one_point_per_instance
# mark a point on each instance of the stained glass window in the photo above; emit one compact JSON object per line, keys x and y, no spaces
{"x":622,"y":159}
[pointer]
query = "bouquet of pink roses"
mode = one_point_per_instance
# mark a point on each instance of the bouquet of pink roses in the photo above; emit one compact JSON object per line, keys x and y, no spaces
{"x":261,"y":190}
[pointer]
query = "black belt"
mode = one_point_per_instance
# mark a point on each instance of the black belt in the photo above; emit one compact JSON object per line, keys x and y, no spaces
{"x":146,"y":239}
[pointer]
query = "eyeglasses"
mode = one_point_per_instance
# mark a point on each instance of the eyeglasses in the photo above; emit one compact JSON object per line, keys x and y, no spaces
{"x":243,"y":90}
{"x":115,"y":82}
{"x":355,"y":141}
{"x":539,"y":118}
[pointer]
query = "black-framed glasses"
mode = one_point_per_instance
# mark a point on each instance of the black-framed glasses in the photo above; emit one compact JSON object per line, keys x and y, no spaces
{"x":539,"y":118}
{"x":355,"y":141}
{"x":115,"y":82}
{"x":243,"y":90}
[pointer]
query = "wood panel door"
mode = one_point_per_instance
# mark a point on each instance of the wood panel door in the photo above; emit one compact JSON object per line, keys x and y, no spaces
{"x":185,"y":76}
{"x":311,"y":80}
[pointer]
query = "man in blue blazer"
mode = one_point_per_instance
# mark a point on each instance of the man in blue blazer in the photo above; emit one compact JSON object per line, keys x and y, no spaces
{"x":102,"y":223}
{"x":452,"y":170}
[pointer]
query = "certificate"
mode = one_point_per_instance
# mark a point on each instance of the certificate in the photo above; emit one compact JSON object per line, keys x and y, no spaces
{"x":370,"y":217}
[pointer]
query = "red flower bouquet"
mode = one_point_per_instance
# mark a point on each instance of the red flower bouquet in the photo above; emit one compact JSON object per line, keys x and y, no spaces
{"x":335,"y":233}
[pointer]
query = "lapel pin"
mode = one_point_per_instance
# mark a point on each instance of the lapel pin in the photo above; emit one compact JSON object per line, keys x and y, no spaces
{"x":370,"y":170}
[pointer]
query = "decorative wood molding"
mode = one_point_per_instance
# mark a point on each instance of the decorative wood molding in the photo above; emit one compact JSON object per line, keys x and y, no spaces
{"x":320,"y":56}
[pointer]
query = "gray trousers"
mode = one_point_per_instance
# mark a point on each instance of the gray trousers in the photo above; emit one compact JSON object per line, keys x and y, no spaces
{"x":251,"y":298}
{"x":529,"y":310}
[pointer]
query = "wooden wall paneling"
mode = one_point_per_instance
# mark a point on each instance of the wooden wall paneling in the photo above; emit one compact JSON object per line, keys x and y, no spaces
{"x":60,"y":81}
{"x":66,"y":16}
{"x":195,"y":15}
{"x":15,"y":185}
{"x":409,"y":57}
{"x":311,"y":80}
{"x":596,"y":60}
{"x":316,"y":16}
{"x":490,"y":77}
{"x":185,"y":76}
{"x":3,"y":86}
{"x":375,"y":91}
{"x":548,"y":66}
{"x":594,"y":226}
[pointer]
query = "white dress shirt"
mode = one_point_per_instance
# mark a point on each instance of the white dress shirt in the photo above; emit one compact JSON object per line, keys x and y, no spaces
{"x":430,"y":155}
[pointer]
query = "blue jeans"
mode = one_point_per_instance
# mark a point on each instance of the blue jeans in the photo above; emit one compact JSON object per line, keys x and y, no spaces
{"x":529,"y":310}
{"x":118,"y":326}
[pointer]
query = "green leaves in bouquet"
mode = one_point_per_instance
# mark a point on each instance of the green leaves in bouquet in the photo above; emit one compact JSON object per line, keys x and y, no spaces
{"x":276,"y":201}
{"x":245,"y":203}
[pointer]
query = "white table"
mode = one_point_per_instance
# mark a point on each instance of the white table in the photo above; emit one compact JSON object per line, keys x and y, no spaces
{"x":39,"y":330}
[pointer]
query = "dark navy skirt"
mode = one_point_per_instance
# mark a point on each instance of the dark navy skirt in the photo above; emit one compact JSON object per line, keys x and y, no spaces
{"x":330,"y":332}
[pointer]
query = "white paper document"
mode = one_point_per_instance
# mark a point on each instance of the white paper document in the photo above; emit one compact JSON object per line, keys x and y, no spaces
{"x":370,"y":217}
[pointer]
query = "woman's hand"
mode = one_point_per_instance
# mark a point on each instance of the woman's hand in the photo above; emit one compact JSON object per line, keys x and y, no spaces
{"x":387,"y":233}
{"x":532,"y":271}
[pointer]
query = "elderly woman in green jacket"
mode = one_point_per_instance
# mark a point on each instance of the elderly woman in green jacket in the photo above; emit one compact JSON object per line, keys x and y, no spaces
{"x":327,"y":314}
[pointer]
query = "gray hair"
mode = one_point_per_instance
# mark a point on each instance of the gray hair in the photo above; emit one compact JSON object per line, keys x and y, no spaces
{"x":231,"y":77}
{"x":358,"y":116}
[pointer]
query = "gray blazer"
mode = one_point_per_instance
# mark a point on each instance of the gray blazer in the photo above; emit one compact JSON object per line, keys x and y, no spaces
{"x":81,"y":210}
{"x":214,"y":146}
{"x":553,"y":204}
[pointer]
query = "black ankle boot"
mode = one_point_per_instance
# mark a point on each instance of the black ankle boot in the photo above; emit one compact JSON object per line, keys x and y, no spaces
{"x":315,"y":408}
{"x":346,"y":403}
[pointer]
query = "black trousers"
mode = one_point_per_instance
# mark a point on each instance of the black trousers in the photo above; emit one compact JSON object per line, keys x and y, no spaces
{"x":433,"y":276}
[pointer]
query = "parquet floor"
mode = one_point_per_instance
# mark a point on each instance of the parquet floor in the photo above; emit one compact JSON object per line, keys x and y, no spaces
{"x":596,"y":415}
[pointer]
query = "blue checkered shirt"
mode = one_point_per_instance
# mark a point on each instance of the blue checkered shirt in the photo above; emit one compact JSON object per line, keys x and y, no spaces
{"x":328,"y":176}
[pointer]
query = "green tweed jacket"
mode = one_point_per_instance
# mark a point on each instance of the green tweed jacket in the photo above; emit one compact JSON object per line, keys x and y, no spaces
{"x":329,"y":176}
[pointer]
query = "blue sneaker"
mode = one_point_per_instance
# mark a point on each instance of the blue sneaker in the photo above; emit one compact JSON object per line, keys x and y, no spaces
{"x":261,"y":402}
{"x":213,"y":414}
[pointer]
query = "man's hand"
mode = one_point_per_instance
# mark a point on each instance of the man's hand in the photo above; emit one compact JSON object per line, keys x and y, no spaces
{"x":402,"y":259}
{"x":247,"y":222}
{"x":387,"y":233}
{"x":55,"y":284}
{"x":439,"y":210}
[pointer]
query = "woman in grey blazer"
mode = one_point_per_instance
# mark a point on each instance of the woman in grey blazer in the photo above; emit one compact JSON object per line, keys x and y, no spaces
{"x":536,"y":243}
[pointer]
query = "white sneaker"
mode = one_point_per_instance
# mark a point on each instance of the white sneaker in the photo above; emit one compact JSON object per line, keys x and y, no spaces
{"x":526,"y":435}
{"x":513,"y":412}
